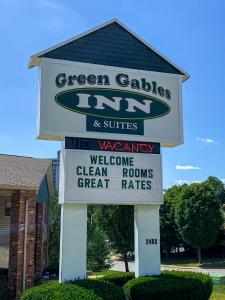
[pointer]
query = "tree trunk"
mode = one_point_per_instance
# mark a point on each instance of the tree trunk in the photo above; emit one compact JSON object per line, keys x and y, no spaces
{"x":199,"y":256}
{"x":126,"y":262}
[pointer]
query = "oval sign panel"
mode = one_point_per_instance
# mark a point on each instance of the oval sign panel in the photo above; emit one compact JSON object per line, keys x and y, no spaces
{"x":112,"y":103}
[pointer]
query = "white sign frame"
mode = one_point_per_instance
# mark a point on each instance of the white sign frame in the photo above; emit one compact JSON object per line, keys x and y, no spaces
{"x":69,"y":192}
{"x":56,"y":122}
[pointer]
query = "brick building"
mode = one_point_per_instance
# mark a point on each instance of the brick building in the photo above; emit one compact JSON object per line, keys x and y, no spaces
{"x":25,"y":186}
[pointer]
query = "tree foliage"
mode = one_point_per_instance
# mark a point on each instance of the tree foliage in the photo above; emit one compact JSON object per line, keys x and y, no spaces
{"x":169,"y":232}
{"x":117,"y":221}
{"x":198,"y":215}
{"x":218,"y":188}
{"x":54,"y":232}
{"x":98,"y":248}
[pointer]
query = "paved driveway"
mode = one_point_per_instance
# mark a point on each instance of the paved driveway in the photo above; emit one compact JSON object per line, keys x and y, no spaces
{"x":118,"y":265}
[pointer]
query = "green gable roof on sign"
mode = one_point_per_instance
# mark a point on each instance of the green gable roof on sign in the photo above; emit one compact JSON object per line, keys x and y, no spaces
{"x":110,"y":44}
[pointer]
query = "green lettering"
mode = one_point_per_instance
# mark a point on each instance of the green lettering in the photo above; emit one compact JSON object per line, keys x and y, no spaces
{"x":148,"y":185}
{"x":106,"y":183}
{"x":150,"y":173}
{"x":103,"y":80}
{"x":93,"y":182}
{"x":71,"y":79}
{"x":99,"y":184}
{"x":125,"y":170}
{"x":138,"y":183}
{"x":131,"y":185}
{"x":143,"y":185}
{"x":94,"y":159}
{"x":122,"y":80}
{"x":104,"y":172}
{"x":91,"y":171}
{"x":91,"y":79}
{"x":79,"y":168}
{"x":80,"y":182}
{"x":144,"y":173}
{"x":124,"y":184}
{"x":135,"y":84}
{"x":87,"y":182}
{"x":60,"y":80}
{"x":111,"y":159}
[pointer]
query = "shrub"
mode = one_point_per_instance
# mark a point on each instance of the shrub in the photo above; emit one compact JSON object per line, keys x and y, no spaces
{"x":117,"y":278}
{"x":3,"y":291}
{"x":57,"y":291}
{"x":105,"y":290}
{"x":79,"y":290}
{"x":170,"y":285}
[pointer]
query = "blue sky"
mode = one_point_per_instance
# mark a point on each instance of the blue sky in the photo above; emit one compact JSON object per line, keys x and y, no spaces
{"x":190,"y":33}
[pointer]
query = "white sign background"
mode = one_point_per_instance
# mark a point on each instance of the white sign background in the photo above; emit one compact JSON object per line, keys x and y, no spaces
{"x":56,"y":122}
{"x":69,"y":191}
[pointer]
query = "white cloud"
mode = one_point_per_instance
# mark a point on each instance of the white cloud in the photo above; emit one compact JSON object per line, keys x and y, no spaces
{"x":181,"y":181}
{"x":187,"y":167}
{"x":205,"y":140}
{"x":223,"y":180}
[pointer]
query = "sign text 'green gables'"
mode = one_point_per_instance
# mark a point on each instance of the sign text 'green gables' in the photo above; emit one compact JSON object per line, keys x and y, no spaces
{"x":113,"y":110}
{"x":121,"y":79}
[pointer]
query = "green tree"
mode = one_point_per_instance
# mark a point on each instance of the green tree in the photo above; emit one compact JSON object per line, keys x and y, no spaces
{"x":169,"y":232}
{"x":98,"y":249}
{"x":198,"y":215}
{"x":218,"y":187}
{"x":54,"y":232}
{"x":117,"y":221}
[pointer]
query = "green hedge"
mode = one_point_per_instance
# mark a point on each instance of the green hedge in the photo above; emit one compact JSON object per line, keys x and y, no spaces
{"x":117,"y":278}
{"x":79,"y":290}
{"x":176,"y":285}
{"x":105,"y":290}
{"x":170,"y":285}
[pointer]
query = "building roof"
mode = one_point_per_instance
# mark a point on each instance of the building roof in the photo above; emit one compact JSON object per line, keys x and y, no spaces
{"x":111,"y":44}
{"x":23,"y":173}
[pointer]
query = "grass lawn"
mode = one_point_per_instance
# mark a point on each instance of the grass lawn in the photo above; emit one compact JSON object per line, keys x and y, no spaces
{"x":207,"y":263}
{"x":105,"y":272}
{"x":218,"y":292}
{"x":218,"y":288}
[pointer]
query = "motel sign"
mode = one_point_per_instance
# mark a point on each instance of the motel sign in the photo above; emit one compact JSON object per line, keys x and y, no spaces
{"x":113,"y":100}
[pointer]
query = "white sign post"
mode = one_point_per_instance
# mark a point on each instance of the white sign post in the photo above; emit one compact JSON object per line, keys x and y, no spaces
{"x":147,"y":240}
{"x":73,"y":242}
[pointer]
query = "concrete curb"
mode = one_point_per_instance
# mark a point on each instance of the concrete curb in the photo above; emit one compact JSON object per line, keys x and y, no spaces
{"x":180,"y":267}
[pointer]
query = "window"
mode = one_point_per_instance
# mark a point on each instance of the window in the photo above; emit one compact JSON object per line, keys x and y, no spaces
{"x":8,"y":208}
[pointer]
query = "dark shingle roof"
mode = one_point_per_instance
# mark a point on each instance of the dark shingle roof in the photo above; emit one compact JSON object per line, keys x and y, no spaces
{"x":19,"y":172}
{"x":113,"y":45}
{"x":110,"y":44}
